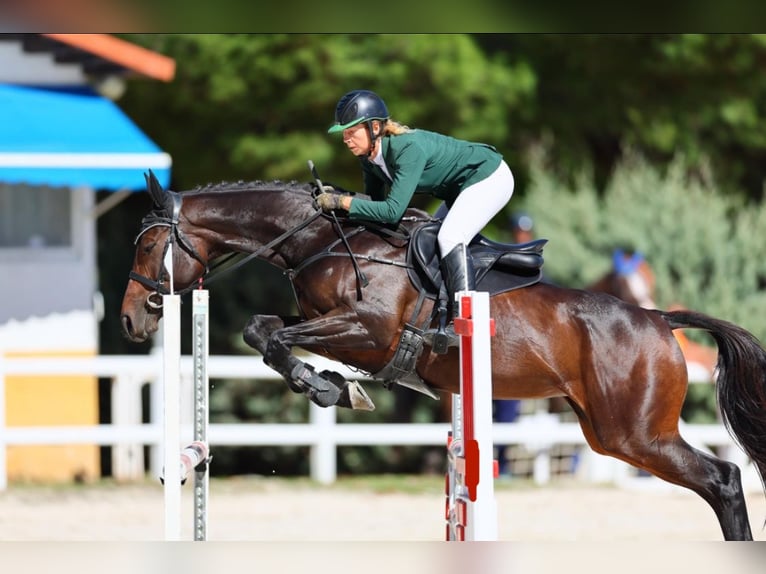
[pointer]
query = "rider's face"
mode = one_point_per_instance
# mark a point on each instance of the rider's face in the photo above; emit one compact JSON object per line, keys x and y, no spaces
{"x":357,"y":139}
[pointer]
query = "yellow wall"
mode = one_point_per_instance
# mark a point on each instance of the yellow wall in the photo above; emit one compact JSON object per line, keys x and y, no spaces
{"x":52,"y":401}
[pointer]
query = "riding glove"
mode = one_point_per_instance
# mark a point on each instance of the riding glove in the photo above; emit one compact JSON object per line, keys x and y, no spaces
{"x":329,"y":201}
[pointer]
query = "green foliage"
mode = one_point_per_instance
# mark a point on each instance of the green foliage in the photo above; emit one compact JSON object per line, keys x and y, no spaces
{"x":700,"y":405}
{"x":701,"y":244}
{"x":700,"y":95}
{"x":257,"y":106}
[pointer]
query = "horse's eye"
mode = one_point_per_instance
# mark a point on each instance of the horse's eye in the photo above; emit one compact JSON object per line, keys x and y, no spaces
{"x":148,"y":248}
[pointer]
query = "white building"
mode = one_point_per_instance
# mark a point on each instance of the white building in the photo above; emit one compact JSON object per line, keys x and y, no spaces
{"x":62,"y":138}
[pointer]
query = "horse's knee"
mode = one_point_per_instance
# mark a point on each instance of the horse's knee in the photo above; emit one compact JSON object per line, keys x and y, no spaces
{"x":265,"y":323}
{"x":259,"y":329}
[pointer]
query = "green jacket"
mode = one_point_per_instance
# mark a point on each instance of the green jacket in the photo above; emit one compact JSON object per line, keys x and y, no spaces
{"x":421,"y":162}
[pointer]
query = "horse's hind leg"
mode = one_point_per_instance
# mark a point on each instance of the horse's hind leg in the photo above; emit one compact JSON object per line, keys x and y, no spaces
{"x":668,"y":456}
{"x":717,"y":481}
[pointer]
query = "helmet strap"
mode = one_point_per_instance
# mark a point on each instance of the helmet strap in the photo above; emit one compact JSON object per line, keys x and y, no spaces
{"x":373,"y":137}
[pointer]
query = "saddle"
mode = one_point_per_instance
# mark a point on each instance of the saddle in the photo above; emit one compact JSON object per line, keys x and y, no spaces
{"x":499,"y":267}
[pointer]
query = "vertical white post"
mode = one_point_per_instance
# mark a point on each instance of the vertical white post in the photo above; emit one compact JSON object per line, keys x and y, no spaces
{"x":482,"y":515}
{"x":127,"y":459}
{"x":171,"y":311}
{"x":323,"y":453}
{"x":200,"y":343}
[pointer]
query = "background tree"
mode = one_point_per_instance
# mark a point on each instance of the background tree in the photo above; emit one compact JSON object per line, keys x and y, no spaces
{"x":663,"y":94}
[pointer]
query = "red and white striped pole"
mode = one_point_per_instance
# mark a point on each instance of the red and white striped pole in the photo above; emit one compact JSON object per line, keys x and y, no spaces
{"x":471,"y":506}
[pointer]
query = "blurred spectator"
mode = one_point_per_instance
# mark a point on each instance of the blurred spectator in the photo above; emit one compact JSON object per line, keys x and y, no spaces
{"x":522,"y":227}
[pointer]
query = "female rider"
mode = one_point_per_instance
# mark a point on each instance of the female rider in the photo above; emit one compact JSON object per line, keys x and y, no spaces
{"x":472,"y":178}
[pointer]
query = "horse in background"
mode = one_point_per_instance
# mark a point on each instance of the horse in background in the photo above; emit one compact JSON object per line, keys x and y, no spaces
{"x":632,"y":280}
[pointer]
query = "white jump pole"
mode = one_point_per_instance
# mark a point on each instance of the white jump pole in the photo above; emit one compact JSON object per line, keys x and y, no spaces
{"x":171,"y":352}
{"x":200,"y":343}
{"x":471,"y":506}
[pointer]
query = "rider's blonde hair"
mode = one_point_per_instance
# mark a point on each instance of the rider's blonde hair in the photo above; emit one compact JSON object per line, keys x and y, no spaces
{"x":392,"y":128}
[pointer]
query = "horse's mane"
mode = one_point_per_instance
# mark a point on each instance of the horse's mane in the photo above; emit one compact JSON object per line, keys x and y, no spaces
{"x":257,"y":185}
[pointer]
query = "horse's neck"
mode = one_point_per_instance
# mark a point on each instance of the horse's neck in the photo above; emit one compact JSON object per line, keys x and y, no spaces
{"x":245,"y":222}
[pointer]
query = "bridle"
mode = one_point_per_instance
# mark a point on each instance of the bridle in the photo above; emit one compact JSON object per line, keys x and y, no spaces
{"x":160,"y":218}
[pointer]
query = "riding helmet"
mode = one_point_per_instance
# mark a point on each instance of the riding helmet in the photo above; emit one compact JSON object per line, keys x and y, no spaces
{"x":356,"y":107}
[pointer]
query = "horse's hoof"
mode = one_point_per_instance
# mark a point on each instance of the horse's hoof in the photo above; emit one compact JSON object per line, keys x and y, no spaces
{"x":352,"y":394}
{"x":357,"y":397}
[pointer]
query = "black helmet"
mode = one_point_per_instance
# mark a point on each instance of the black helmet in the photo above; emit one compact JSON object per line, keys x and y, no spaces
{"x":356,"y":107}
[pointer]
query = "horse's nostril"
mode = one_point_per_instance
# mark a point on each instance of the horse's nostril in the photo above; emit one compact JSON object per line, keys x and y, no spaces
{"x":127,"y":325}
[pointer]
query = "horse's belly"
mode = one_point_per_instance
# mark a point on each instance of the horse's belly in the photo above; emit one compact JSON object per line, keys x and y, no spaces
{"x":524,"y":389}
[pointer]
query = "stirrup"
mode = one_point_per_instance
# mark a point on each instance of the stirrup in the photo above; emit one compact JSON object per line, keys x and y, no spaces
{"x":443,"y":339}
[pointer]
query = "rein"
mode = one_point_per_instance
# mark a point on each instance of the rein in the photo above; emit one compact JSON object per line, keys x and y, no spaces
{"x":246,"y":258}
{"x":158,"y":220}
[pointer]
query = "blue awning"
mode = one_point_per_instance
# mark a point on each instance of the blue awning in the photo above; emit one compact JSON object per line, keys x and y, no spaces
{"x":73,"y":137}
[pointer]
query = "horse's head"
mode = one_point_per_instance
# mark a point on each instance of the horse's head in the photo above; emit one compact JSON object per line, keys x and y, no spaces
{"x":163,"y":251}
{"x":630,"y":279}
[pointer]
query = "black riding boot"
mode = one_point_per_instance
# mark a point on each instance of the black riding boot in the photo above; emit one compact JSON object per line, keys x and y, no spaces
{"x":458,"y":273}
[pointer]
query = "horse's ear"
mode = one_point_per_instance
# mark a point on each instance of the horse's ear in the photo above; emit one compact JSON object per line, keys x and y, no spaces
{"x":158,"y":195}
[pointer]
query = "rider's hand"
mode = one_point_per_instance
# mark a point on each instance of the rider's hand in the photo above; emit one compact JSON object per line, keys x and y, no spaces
{"x":329,"y":201}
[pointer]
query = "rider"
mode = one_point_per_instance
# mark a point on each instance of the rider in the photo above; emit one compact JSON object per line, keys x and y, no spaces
{"x":472,"y":178}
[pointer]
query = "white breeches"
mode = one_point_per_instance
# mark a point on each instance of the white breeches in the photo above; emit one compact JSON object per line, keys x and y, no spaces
{"x":474,"y":208}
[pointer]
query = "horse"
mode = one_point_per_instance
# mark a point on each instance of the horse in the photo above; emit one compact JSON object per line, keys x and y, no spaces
{"x":617,"y":365}
{"x":632,"y":279}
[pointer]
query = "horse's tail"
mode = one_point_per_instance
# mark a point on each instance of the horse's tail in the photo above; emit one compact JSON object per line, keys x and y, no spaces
{"x":741,"y":382}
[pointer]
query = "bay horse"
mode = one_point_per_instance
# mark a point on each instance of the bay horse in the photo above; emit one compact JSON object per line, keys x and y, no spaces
{"x":617,"y":365}
{"x":632,"y":279}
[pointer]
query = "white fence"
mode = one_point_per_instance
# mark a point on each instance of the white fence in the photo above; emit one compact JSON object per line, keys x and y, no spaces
{"x":127,"y":435}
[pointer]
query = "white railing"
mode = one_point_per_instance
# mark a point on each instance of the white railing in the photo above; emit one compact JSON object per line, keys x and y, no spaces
{"x":539,"y":432}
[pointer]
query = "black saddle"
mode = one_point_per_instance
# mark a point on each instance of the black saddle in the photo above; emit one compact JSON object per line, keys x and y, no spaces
{"x":499,"y":267}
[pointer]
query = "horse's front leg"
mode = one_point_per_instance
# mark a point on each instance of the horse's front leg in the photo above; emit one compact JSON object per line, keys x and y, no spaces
{"x":275,"y":336}
{"x":258,"y":333}
{"x":260,"y":327}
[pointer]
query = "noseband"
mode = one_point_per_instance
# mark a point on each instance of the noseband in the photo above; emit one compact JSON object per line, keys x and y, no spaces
{"x":160,"y":218}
